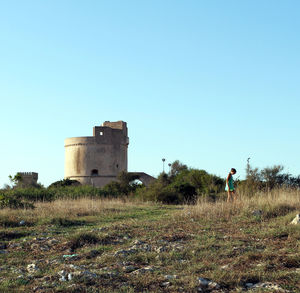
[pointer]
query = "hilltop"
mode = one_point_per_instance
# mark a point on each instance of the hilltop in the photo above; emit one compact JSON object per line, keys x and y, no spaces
{"x":118,"y":245}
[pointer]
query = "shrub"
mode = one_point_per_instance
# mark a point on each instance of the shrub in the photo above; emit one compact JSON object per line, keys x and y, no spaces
{"x":13,"y":202}
{"x":266,"y":179}
{"x":124,"y":186}
{"x":82,"y":239}
{"x":182,"y":185}
{"x":64,"y":182}
{"x":25,"y":197}
{"x":75,"y":192}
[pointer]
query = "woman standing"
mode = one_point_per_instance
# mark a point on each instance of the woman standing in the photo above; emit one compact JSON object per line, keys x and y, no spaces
{"x":230,"y":186}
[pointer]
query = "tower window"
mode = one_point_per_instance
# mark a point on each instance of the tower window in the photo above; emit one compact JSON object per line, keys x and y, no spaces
{"x":117,"y":165}
{"x":101,"y":133}
{"x":94,"y":172}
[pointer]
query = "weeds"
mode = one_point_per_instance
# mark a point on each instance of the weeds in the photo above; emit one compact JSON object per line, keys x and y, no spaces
{"x":275,"y":204}
{"x":83,"y":239}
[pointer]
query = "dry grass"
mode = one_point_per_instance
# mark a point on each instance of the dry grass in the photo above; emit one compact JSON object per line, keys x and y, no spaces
{"x":70,"y":208}
{"x":272,"y":204}
{"x":223,"y":242}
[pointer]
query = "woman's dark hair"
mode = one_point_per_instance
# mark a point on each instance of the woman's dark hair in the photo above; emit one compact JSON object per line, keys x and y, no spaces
{"x":233,"y":170}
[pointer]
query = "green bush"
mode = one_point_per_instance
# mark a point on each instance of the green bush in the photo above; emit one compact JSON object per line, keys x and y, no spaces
{"x":11,"y":201}
{"x":64,"y":182}
{"x":25,"y":197}
{"x":75,"y":192}
{"x":32,"y":194}
{"x":182,"y":185}
{"x":266,"y":180}
{"x":125,"y":185}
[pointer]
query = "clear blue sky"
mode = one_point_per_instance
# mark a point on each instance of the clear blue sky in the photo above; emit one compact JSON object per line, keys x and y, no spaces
{"x":207,"y":82}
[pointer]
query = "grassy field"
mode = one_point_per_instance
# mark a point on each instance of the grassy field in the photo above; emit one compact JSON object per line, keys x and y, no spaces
{"x":90,"y":245}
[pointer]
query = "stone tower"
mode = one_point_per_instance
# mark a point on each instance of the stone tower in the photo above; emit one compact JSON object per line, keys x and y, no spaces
{"x":29,"y":178}
{"x":97,"y":160}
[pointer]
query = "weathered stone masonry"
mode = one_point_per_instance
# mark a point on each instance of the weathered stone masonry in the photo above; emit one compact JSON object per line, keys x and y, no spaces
{"x":96,"y":160}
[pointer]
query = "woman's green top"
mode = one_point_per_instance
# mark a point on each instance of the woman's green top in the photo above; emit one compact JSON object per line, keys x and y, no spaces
{"x":230,"y":183}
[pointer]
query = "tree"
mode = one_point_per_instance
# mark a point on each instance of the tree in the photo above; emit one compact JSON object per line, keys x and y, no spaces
{"x":272,"y":176}
{"x":16,"y":180}
{"x":177,"y":167}
{"x":125,"y":185}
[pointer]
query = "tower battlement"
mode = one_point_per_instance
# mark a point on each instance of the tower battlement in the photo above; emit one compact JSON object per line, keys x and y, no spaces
{"x":29,"y":177}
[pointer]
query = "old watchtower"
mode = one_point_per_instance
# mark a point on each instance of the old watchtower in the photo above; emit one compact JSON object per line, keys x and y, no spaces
{"x":96,"y":160}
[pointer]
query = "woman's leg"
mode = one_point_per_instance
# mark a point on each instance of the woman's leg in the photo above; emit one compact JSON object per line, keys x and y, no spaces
{"x":235,"y":195}
{"x":229,"y":197}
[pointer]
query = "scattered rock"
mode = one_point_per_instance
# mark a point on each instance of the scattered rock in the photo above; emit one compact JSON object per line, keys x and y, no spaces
{"x":39,"y":289}
{"x":109,"y":275}
{"x":20,"y":271}
{"x":102,"y":229}
{"x":257,"y":213}
{"x":124,"y":252}
{"x":267,"y":285}
{"x":165,"y":284}
{"x":32,"y":268}
{"x":85,"y":275}
{"x":44,"y":248}
{"x":52,"y":242}
{"x":160,"y":249}
{"x":143,"y":270}
{"x":138,"y":242}
{"x":206,"y":284}
{"x":178,"y":247}
{"x":34,"y":246}
{"x":22,"y":223}
{"x":141,"y":246}
{"x":170,"y":277}
{"x":79,"y":275}
{"x":14,"y":245}
{"x":203,"y":282}
{"x":249,"y":285}
{"x":62,"y":275}
{"x":213,"y":285}
{"x":74,"y":267}
{"x":129,"y":269}
{"x":296,"y":220}
{"x":183,"y":261}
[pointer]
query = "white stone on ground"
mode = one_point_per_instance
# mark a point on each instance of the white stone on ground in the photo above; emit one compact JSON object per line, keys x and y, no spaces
{"x":296,"y":220}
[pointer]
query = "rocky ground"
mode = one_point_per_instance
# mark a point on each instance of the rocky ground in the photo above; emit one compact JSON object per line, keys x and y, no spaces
{"x":150,"y":248}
